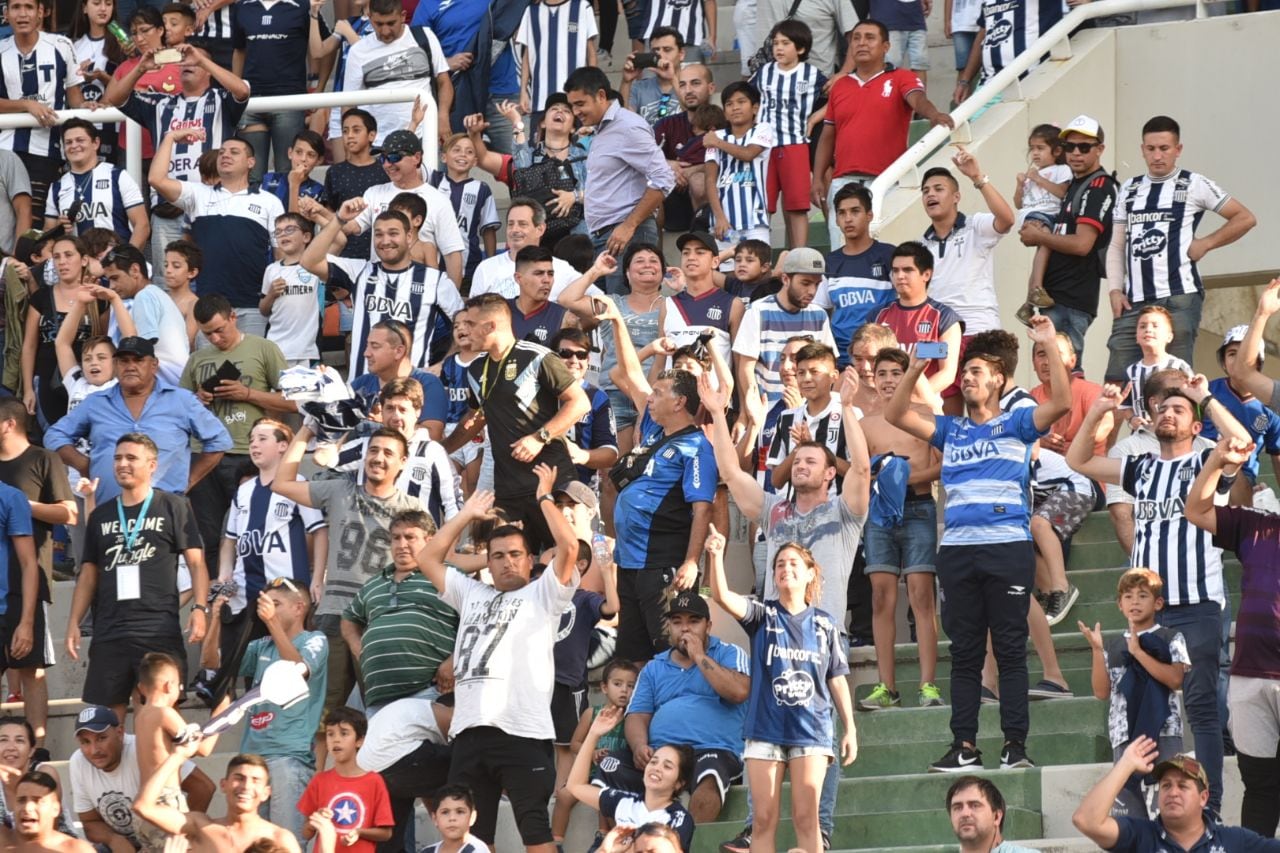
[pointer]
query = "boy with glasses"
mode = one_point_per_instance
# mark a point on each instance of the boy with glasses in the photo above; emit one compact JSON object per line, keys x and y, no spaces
{"x":593,"y":443}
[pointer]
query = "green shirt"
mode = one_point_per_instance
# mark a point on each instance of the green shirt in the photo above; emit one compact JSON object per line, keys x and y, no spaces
{"x":259,"y":362}
{"x":408,"y":632}
{"x":275,"y":732}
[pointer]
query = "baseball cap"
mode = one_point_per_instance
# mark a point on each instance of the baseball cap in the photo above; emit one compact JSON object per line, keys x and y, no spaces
{"x":698,"y":237}
{"x":96,"y":718}
{"x":579,"y":493}
{"x":141,"y":347}
{"x":1235,"y":335}
{"x":689,"y":602}
{"x":556,"y":99}
{"x":402,"y":142}
{"x":804,"y":261}
{"x":1083,"y":125}
{"x":1187,"y":765}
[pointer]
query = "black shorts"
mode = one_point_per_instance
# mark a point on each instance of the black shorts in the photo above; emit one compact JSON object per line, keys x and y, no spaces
{"x":113,"y":666}
{"x":642,"y":628}
{"x":567,"y":705}
{"x":490,"y":761}
{"x":724,"y":768}
{"x":41,"y":655}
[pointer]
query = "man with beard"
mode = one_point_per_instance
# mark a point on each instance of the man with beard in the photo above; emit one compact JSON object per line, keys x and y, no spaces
{"x":986,"y":562}
{"x":1165,"y":540}
{"x":683,"y":147}
{"x":359,"y":516}
{"x":392,"y":287}
{"x":977,"y":811}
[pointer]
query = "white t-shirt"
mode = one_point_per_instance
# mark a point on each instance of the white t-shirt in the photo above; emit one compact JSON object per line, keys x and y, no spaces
{"x":498,"y":275}
{"x":439,"y":228}
{"x":963,"y":274}
{"x":397,"y":65}
{"x":503,"y":658}
{"x":111,"y":794}
{"x":397,"y":729}
{"x":1037,"y":199}
{"x":295,"y":316}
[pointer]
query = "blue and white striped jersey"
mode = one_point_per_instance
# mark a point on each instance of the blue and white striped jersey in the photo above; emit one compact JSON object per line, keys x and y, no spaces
{"x":216,"y":111}
{"x":788,"y":98}
{"x":422,"y":298}
{"x":986,"y":470}
{"x":764,"y":331}
{"x":107,"y":192}
{"x":1138,"y":373}
{"x":1012,"y":26}
{"x":1184,"y":555}
{"x":270,"y":532}
{"x":555,"y":37}
{"x":1160,"y":216}
{"x":685,"y":16}
{"x":47,"y":75}
{"x":741,"y":184}
{"x":477,"y":212}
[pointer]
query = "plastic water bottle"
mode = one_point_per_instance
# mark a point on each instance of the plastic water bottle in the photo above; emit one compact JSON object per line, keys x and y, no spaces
{"x":600,"y":550}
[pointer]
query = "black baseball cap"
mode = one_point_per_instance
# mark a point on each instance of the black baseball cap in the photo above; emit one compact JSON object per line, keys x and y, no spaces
{"x":402,"y":142}
{"x":141,"y":347}
{"x":689,"y":602}
{"x":699,"y":237}
{"x":556,"y":99}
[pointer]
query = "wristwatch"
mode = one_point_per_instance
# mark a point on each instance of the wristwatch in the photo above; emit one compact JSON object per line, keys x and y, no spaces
{"x":543,"y":435}
{"x":982,"y":182}
{"x":203,"y":608}
{"x":542,"y":498}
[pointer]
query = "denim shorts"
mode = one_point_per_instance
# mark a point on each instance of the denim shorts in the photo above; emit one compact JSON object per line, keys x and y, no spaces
{"x":909,"y":49}
{"x":910,"y":547}
{"x":624,"y":411}
{"x":762,"y":750}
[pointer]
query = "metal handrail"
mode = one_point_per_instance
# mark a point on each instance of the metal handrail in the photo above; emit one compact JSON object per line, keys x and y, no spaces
{"x":269,"y":103}
{"x":1054,"y":42}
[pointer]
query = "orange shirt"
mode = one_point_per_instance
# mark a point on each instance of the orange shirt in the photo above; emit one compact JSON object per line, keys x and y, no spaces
{"x":1083,"y":393}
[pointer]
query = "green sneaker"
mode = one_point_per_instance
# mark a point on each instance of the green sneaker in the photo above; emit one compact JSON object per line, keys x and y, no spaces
{"x":930,"y":695}
{"x":879,"y":699}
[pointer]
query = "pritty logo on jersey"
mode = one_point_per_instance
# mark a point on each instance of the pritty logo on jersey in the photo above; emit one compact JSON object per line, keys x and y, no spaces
{"x":999,"y":31}
{"x":793,"y":687}
{"x":1150,"y":243}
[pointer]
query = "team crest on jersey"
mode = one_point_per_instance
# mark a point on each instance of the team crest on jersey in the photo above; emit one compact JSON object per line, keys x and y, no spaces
{"x":803,"y":87}
{"x":997,"y":430}
{"x":924,"y":328}
{"x":714,"y":313}
{"x":887,"y":91}
{"x":573,"y":28}
{"x":669,"y":453}
{"x":1150,"y":243}
{"x":794,"y":687}
{"x":540,"y":334}
{"x":266,"y":20}
{"x":1260,"y":423}
{"x":419,"y":472}
{"x":509,"y":374}
{"x":255,"y":209}
{"x":1186,"y":475}
{"x":878,"y":271}
{"x":282,"y":510}
{"x":609,"y":764}
{"x":103,"y":184}
{"x":417,"y":288}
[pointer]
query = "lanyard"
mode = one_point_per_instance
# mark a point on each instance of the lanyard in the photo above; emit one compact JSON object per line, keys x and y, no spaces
{"x":131,"y":536}
{"x":485,"y":390}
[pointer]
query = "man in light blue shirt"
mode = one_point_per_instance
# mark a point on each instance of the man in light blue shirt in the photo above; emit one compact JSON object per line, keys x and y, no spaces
{"x":627,"y":173}
{"x":155,"y":316}
{"x":141,"y":402}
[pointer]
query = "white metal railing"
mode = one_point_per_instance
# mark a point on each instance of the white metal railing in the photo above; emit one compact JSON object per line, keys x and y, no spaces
{"x":1054,"y":42}
{"x":271,"y":103}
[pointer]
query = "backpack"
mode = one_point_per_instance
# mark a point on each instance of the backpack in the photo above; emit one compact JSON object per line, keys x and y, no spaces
{"x":765,"y":53}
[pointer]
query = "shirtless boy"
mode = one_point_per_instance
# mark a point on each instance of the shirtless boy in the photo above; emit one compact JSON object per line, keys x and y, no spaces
{"x":34,"y":814}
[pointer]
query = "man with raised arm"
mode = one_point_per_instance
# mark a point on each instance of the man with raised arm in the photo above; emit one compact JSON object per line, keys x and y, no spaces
{"x":504,"y":669}
{"x":986,"y":562}
{"x":1246,"y":370}
{"x":1165,"y":540}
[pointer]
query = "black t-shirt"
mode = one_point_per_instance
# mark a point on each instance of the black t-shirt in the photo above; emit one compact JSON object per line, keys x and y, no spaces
{"x":168,"y":530}
{"x":1074,"y":280}
{"x":518,"y":395}
{"x":40,"y":475}
{"x":53,"y":398}
{"x":750,"y":291}
{"x":343,"y":181}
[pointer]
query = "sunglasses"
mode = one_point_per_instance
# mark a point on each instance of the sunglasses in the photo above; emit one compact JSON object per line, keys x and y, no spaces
{"x":393,"y":157}
{"x":1082,"y":147}
{"x":277,"y":583}
{"x":567,"y":354}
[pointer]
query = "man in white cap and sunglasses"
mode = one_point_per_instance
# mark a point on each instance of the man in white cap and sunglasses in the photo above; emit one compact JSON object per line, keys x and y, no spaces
{"x":1261,"y":421}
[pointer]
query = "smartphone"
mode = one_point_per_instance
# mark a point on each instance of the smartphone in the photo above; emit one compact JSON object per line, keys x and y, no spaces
{"x":168,"y":56}
{"x":932,"y":349}
{"x":642,"y":61}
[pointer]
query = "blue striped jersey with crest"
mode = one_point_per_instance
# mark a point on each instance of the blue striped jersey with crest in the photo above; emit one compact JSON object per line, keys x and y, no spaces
{"x":45,"y":75}
{"x":270,"y":534}
{"x":741,"y":184}
{"x":108,"y":194}
{"x":684,"y":16}
{"x":788,"y":97}
{"x":555,"y":37}
{"x":1012,"y":26}
{"x":986,"y":470}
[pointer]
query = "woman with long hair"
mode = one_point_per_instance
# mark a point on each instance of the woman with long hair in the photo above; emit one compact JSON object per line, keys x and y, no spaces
{"x":94,"y":45}
{"x":668,"y":774}
{"x":797,"y":678}
{"x":43,"y":396}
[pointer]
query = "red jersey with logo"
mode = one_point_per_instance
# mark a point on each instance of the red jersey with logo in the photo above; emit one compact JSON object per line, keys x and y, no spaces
{"x":871,"y":119}
{"x":357,"y":802}
{"x":925,"y":322}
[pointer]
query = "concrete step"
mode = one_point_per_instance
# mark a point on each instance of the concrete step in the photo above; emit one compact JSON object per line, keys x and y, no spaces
{"x":877,"y":831}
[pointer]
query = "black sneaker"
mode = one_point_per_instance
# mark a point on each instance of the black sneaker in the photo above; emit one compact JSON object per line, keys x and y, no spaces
{"x":959,"y":759}
{"x":1014,"y":756}
{"x":740,"y":843}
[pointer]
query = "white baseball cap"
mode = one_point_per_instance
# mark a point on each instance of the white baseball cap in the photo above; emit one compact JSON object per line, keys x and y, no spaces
{"x":1083,"y":125}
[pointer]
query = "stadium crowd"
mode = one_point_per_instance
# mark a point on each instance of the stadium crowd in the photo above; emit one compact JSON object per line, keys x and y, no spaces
{"x":288,"y":401}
